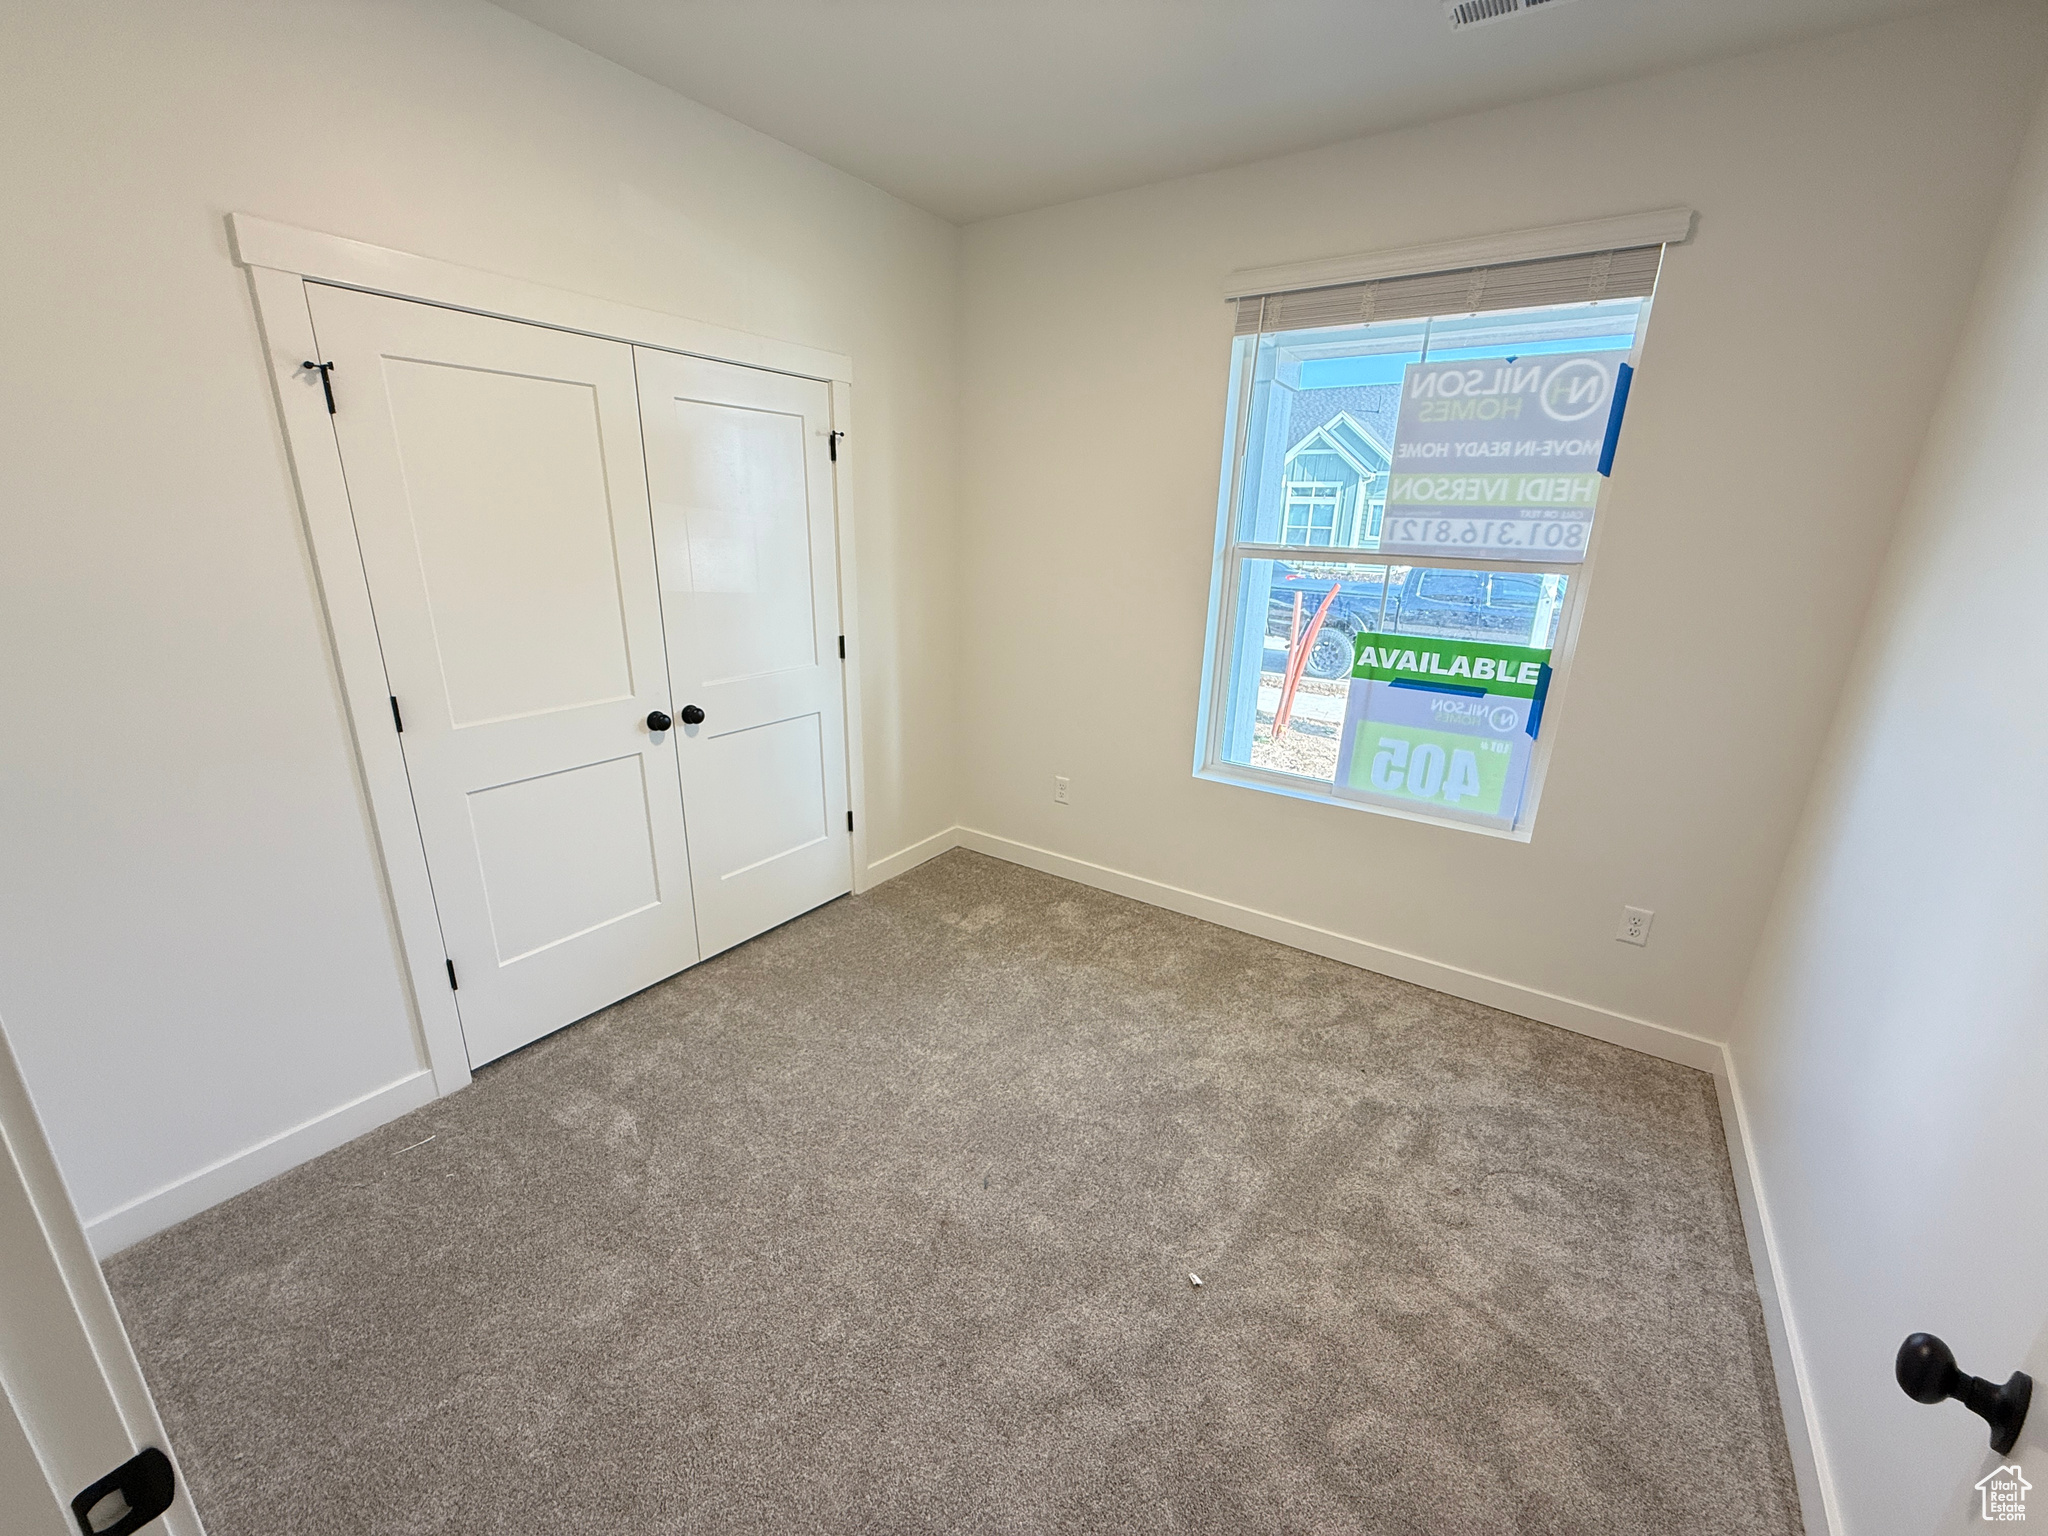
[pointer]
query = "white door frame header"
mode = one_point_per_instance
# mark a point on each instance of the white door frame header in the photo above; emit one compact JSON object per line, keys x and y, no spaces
{"x":323,"y":258}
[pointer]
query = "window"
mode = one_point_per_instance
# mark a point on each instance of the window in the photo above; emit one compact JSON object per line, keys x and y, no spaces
{"x":1311,"y":515}
{"x":1412,"y":474}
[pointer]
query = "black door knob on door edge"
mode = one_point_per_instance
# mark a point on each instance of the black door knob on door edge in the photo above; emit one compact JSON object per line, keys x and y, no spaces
{"x":1928,"y":1373}
{"x":692,"y":715}
{"x":658,"y":721}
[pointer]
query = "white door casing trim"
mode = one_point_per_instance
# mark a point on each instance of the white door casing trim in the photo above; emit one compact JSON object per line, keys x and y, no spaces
{"x":280,"y":262}
{"x":70,"y":1385}
{"x":849,"y":625}
{"x":322,"y":258}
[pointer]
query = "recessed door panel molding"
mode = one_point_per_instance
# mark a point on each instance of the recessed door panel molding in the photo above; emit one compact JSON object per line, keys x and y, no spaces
{"x":744,"y":555}
{"x":780,"y":769}
{"x":740,"y":474}
{"x":495,"y":475}
{"x":565,"y":854}
{"x":505,"y":487}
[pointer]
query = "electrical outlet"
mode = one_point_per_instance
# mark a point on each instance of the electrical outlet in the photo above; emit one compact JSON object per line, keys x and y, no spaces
{"x":1635,"y":925}
{"x":1059,"y":789}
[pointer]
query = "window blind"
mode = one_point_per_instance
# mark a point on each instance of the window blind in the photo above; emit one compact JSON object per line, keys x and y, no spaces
{"x":1619,"y":274}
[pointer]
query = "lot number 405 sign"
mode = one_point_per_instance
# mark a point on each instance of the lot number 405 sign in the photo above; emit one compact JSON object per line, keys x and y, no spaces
{"x":1428,"y":765}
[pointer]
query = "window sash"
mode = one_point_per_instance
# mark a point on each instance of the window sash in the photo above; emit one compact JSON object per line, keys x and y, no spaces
{"x":1211,"y":761}
{"x":1347,"y":554}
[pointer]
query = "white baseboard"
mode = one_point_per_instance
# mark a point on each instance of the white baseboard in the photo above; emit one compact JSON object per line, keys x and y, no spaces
{"x":1817,"y":1500}
{"x":904,"y":859}
{"x":1657,"y":1040}
{"x":165,"y":1207}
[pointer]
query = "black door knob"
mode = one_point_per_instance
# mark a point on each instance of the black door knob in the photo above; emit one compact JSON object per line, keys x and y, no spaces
{"x":692,"y":715}
{"x":1928,"y":1373}
{"x":657,"y":721}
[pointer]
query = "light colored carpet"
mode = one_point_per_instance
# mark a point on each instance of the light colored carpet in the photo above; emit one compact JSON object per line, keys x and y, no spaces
{"x":883,"y":1223}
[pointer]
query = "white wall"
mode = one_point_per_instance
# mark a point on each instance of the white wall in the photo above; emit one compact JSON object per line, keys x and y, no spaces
{"x":193,"y":952}
{"x":1893,"y":1042}
{"x":1846,"y":190}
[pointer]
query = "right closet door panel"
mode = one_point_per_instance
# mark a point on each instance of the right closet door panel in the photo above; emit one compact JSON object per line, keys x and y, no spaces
{"x":740,"y":476}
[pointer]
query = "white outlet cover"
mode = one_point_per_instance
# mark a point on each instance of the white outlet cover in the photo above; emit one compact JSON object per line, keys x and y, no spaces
{"x":1059,"y":790}
{"x":1635,"y":925}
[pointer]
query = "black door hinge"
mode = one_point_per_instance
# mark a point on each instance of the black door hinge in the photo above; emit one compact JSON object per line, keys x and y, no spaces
{"x":832,"y":444}
{"x":842,"y":647}
{"x":396,"y":718}
{"x":147,"y":1484}
{"x":452,"y":986}
{"x":326,"y":380}
{"x":849,"y":821}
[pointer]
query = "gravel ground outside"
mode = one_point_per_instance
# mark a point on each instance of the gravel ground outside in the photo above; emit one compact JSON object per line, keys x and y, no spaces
{"x":1307,"y":747}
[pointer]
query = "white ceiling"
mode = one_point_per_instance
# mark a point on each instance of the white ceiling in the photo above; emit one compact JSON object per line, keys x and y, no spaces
{"x":974,"y":108}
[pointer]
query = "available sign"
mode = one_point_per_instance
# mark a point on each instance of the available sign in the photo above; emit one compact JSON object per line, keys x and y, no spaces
{"x":1501,"y":456}
{"x":1450,"y":724}
{"x":1484,"y":667}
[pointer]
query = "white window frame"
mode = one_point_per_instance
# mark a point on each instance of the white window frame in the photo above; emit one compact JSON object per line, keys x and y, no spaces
{"x":1327,"y":494}
{"x":1667,"y":226}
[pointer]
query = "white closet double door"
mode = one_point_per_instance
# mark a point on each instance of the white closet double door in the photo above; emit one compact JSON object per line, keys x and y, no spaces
{"x":605,"y":581}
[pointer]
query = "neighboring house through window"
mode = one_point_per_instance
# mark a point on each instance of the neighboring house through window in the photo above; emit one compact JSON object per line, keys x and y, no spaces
{"x":1336,"y":473}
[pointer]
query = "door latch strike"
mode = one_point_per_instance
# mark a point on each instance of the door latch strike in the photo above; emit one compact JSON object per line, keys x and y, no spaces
{"x":452,"y":987}
{"x":326,"y":382}
{"x":842,"y":647}
{"x":831,"y":439}
{"x":849,"y":821}
{"x":396,"y":718}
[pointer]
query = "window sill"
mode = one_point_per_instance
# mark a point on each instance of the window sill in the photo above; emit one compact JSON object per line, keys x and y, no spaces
{"x":1294,"y":788}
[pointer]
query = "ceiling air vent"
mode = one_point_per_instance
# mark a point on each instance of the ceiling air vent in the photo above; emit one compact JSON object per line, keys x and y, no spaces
{"x":1462,"y":14}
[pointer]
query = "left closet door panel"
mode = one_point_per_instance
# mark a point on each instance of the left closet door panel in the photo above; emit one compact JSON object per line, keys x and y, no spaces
{"x":495,"y":474}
